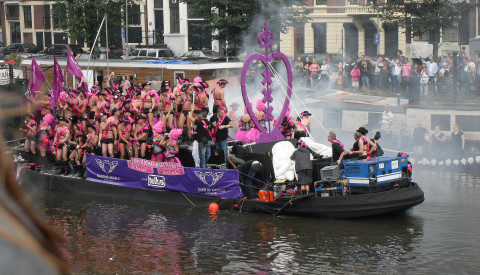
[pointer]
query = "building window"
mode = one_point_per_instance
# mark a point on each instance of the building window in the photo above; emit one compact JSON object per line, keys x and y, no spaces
{"x":320,"y":2}
{"x":13,"y":12}
{"x":56,"y":12}
{"x":353,"y":2}
{"x":174,"y":20}
{"x":134,"y":15}
{"x":468,"y":123}
{"x":47,"y":21}
{"x":423,"y":37}
{"x":442,"y":121}
{"x":134,"y":34}
{"x":451,"y":34}
{"x":27,"y":16}
{"x":15,"y":32}
{"x":319,"y":37}
{"x":158,"y":4}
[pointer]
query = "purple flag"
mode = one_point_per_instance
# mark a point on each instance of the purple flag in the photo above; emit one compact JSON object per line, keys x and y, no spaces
{"x":36,"y":78}
{"x":58,"y":80}
{"x":74,"y":69}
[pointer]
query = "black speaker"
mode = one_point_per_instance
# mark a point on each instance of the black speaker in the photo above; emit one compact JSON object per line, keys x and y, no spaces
{"x":217,"y":157}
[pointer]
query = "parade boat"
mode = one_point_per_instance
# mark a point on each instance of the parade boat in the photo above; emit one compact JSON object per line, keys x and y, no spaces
{"x":364,"y":188}
{"x":363,"y":192}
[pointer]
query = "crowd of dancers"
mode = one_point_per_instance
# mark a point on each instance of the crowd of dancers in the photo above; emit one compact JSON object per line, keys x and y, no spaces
{"x":128,"y":121}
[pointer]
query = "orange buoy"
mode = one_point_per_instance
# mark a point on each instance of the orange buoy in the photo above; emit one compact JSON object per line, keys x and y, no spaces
{"x":213,"y":206}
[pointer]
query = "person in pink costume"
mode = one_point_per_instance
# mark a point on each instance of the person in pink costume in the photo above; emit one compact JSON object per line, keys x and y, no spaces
{"x":158,"y":151}
{"x":253,"y":133}
{"x":245,"y":124}
{"x":171,"y":146}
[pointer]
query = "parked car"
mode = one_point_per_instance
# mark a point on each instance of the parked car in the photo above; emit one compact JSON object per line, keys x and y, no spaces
{"x":151,"y":54}
{"x":201,"y":56}
{"x":2,"y":46}
{"x":114,"y":50}
{"x":20,"y":48}
{"x":62,"y":49}
{"x":98,"y":55}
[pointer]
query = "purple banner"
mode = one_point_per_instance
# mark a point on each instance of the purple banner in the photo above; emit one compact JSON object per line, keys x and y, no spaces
{"x":58,"y":80}
{"x":36,"y":78}
{"x":148,"y":175}
{"x":74,"y":69}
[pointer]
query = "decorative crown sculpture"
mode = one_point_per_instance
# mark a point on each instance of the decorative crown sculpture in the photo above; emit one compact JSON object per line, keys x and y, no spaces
{"x":268,"y":134}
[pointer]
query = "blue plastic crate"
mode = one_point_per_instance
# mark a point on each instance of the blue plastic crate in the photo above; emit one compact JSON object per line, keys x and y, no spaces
{"x":375,"y":170}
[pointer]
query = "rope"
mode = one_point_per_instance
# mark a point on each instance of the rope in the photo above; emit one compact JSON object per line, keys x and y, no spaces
{"x":188,"y":199}
{"x":297,"y":97}
{"x":10,"y":141}
{"x":265,"y":183}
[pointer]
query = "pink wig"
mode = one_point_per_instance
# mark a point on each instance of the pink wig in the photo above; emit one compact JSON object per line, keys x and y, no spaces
{"x":175,"y":134}
{"x":158,"y":127}
{"x":197,"y":80}
{"x":260,"y":105}
{"x":63,"y":97}
{"x":49,"y":118}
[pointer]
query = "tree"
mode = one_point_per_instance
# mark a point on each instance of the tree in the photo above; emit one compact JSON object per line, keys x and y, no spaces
{"x":238,"y":20}
{"x":423,"y":16}
{"x":81,"y":19}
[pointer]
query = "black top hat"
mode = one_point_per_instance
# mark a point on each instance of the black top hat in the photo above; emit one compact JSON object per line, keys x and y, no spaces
{"x":362,"y":131}
{"x":306,"y":113}
{"x":146,"y":83}
{"x":222,"y":81}
{"x":165,"y":83}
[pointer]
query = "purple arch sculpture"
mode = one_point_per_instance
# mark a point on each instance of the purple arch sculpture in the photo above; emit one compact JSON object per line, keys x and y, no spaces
{"x":265,"y":39}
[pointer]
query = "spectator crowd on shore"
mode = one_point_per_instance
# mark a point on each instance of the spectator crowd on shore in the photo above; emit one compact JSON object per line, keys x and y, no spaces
{"x":399,"y":75}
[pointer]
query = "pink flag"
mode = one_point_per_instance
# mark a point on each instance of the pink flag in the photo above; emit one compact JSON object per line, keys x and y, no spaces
{"x":58,"y":80}
{"x":36,"y":78}
{"x":74,"y":69}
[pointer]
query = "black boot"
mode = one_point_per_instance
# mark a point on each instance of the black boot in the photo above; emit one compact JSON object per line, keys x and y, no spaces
{"x":70,"y":168}
{"x":28,"y":157}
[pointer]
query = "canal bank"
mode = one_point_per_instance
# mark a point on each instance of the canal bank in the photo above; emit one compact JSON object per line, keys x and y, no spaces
{"x":345,"y":111}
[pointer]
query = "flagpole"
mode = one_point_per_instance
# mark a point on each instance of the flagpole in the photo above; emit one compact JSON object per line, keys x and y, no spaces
{"x":93,"y":46}
{"x":106,"y":32}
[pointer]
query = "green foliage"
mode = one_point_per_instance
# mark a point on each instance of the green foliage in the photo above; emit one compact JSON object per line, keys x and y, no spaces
{"x":423,"y":16}
{"x":233,"y":19}
{"x":81,"y":19}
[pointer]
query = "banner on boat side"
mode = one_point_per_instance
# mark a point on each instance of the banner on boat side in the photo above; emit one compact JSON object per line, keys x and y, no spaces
{"x":148,"y":175}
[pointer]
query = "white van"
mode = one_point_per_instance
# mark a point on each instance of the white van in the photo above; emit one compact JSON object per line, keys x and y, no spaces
{"x":152,"y":54}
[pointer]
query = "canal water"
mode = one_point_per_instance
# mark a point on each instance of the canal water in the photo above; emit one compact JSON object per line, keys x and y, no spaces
{"x":108,"y":236}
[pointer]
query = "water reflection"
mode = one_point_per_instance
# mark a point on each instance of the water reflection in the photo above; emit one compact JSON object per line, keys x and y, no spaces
{"x":104,"y":235}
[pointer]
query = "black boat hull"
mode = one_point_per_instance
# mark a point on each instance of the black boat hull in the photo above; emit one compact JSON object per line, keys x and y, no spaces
{"x":33,"y":179}
{"x":340,"y":207}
